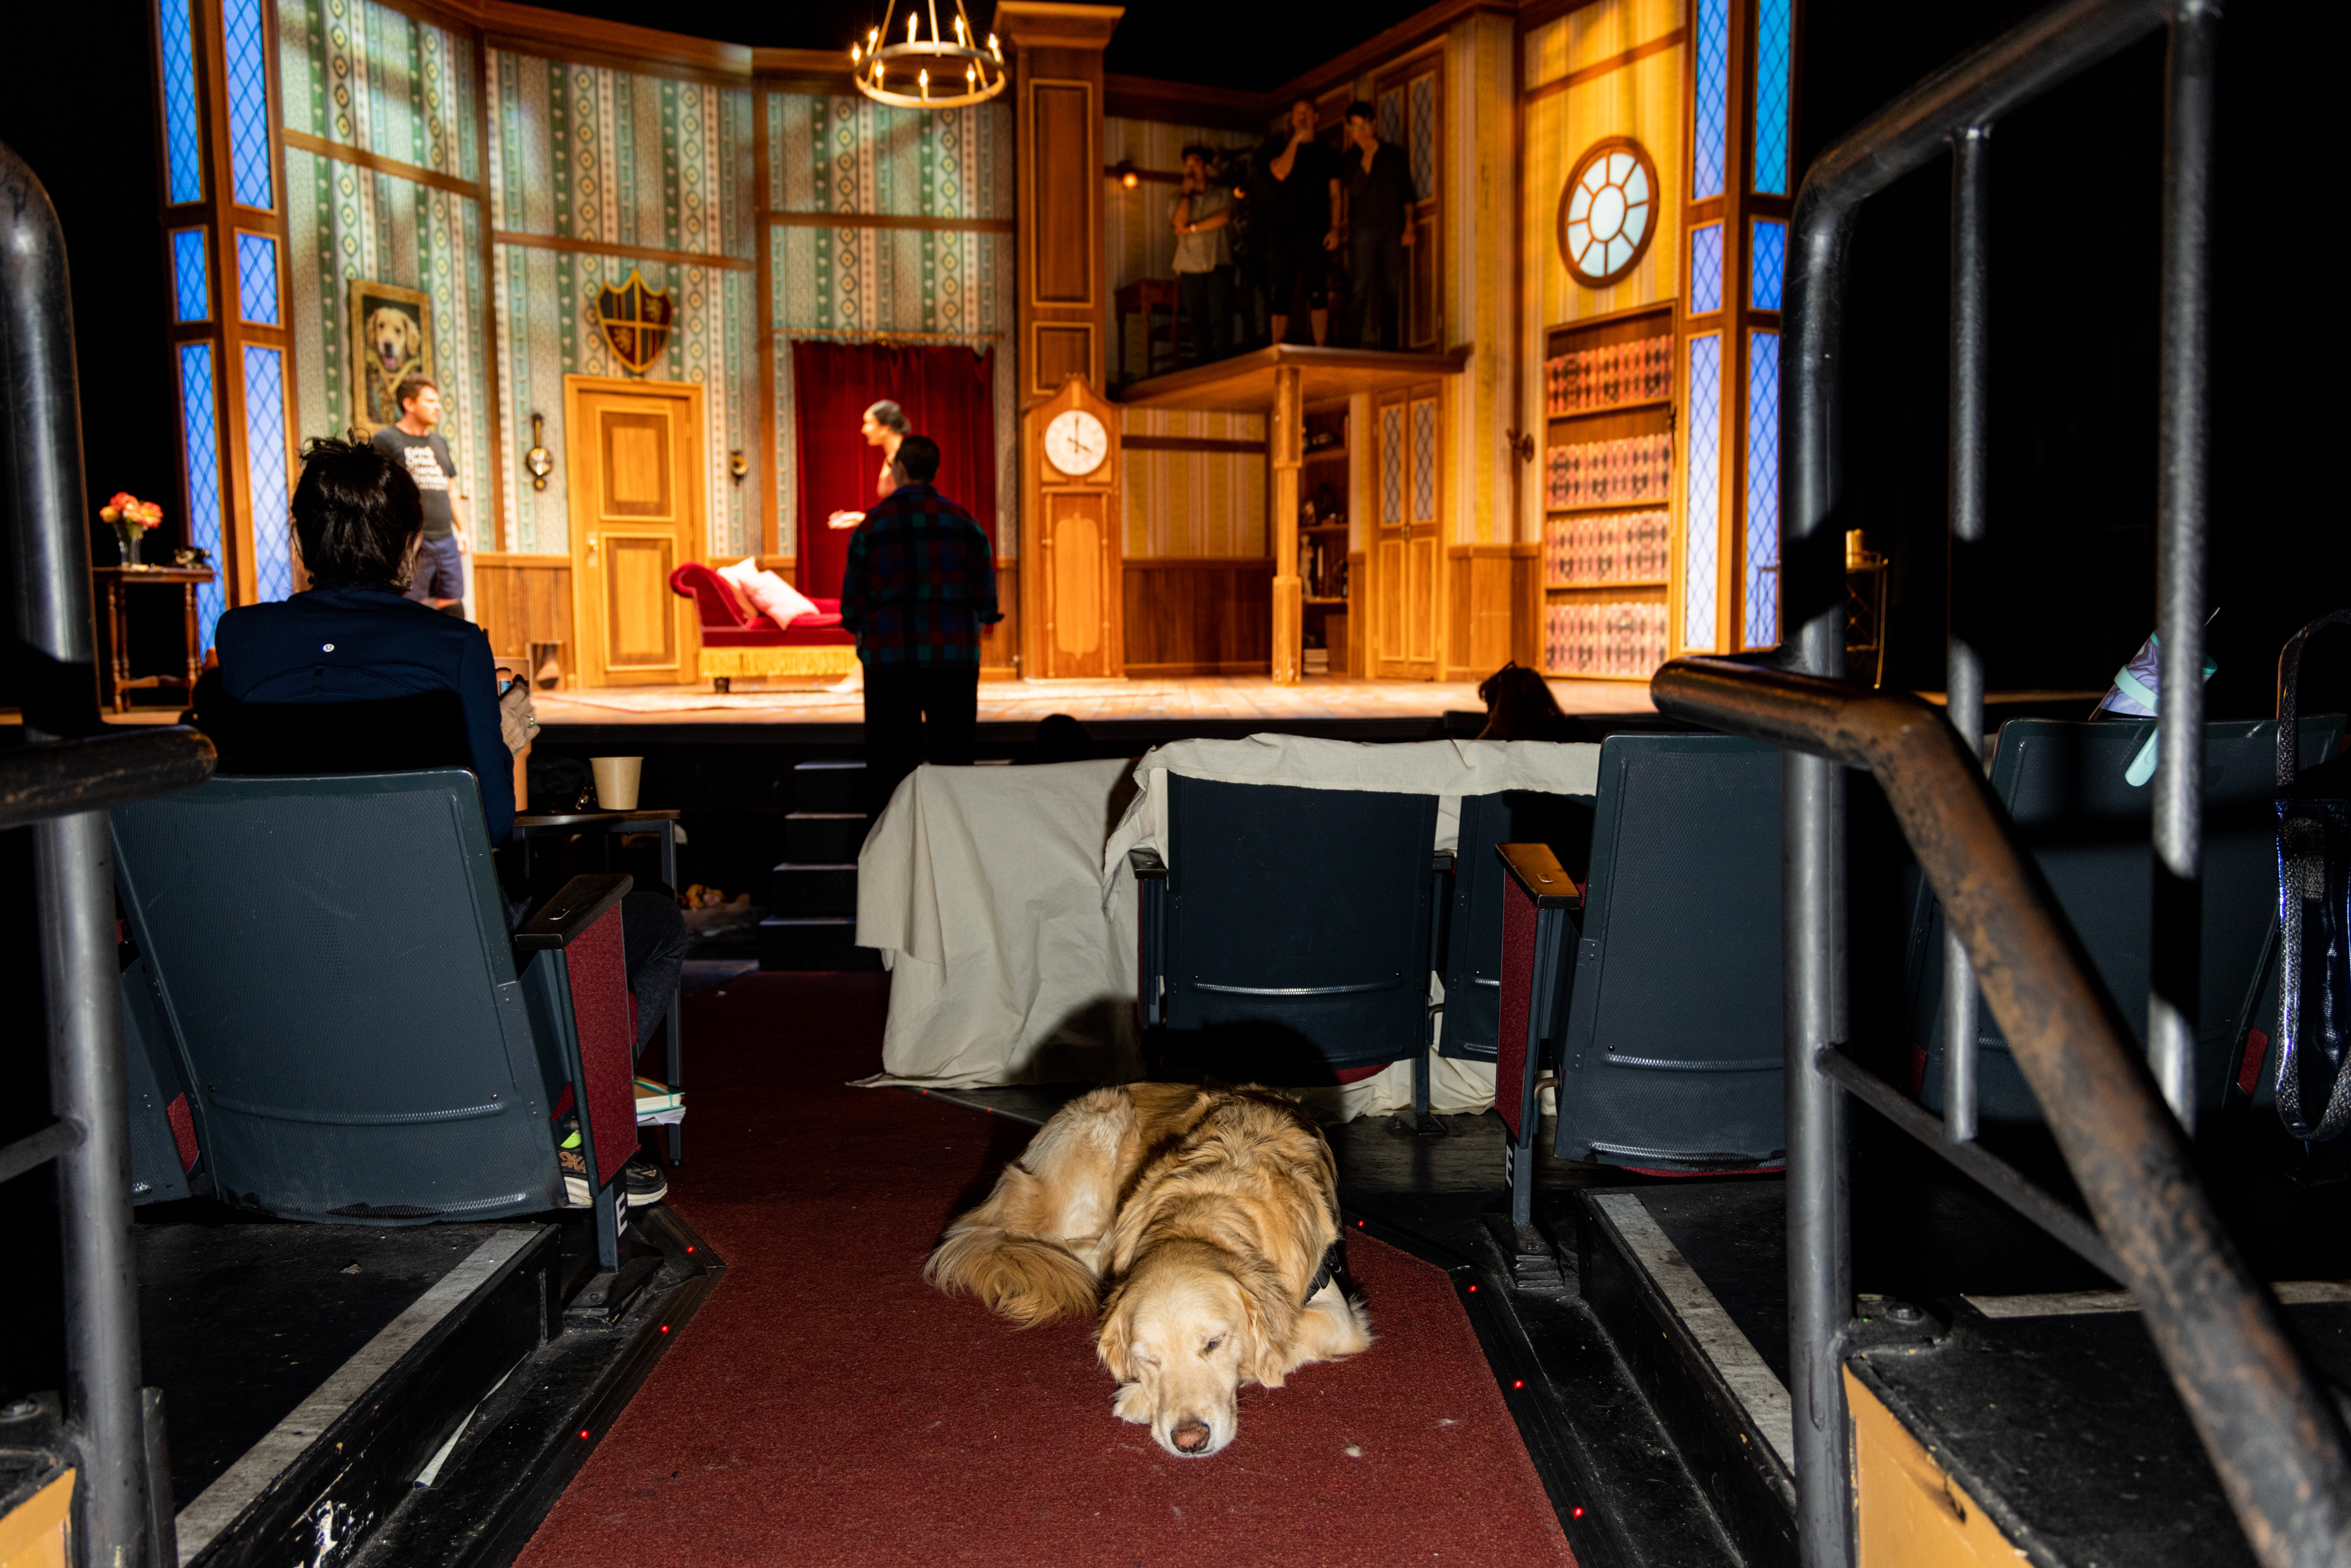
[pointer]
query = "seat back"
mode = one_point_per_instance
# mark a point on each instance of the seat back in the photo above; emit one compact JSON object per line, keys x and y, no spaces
{"x":2087,"y":828}
{"x":1298,"y":920}
{"x":712,"y":595}
{"x":329,"y":958}
{"x":1671,"y":1056}
{"x":1473,"y":924}
{"x":389,"y":734}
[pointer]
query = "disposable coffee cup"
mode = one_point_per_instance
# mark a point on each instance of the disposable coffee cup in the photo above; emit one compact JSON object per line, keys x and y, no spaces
{"x":616,"y":781}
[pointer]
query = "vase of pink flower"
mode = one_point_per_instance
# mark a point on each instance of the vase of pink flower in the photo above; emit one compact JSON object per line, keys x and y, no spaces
{"x":131,"y":518}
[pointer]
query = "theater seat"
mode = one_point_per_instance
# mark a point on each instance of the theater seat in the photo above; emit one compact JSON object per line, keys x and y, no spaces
{"x":337,"y":1025}
{"x":1472,"y":933}
{"x":2087,"y":827}
{"x":1287,"y":939}
{"x":1665,"y":1005}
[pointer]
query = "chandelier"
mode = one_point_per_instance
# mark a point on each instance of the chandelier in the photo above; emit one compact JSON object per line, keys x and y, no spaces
{"x":931,"y":72}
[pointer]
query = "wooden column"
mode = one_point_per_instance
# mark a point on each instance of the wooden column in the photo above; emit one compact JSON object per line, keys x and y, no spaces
{"x":1289,"y":591}
{"x":1057,"y":85}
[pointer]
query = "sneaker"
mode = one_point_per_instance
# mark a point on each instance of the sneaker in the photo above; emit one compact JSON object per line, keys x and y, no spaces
{"x":643,"y":1180}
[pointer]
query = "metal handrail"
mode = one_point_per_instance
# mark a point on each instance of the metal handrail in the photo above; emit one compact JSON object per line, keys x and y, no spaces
{"x":96,"y":773}
{"x":2269,"y":1428}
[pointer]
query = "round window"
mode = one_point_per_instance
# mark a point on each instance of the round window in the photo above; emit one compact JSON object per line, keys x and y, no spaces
{"x":1608,"y":212}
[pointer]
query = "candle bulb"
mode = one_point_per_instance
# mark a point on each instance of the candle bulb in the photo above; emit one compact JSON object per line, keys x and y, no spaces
{"x":913,"y":20}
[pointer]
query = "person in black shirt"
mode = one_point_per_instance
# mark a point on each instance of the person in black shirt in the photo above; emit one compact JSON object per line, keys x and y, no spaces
{"x":440,"y":580}
{"x":1378,"y":179}
{"x":1306,"y":225}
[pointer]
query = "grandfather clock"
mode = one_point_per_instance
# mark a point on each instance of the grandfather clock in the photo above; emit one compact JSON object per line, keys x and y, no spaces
{"x":1072,"y":582}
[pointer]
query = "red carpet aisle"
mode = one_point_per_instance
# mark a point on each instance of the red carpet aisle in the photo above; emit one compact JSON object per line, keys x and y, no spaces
{"x":825,"y":1406}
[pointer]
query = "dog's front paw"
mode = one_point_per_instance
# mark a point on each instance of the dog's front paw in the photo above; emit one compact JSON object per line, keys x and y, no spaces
{"x":1131,"y":1404}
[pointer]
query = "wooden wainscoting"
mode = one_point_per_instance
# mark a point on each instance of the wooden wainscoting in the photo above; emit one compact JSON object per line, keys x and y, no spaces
{"x":999,"y":645}
{"x":1203,"y":615}
{"x":520,"y":600}
{"x":1526,"y":604}
{"x":1480,"y":600}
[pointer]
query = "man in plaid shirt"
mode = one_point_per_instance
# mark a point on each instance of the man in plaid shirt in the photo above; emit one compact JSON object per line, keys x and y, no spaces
{"x":920,"y":583}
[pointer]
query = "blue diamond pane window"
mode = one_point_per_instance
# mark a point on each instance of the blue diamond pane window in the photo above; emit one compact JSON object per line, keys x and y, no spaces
{"x":1391,"y":108}
{"x":1423,"y":461}
{"x":1423,"y":137}
{"x":203,"y":443}
{"x":1773,"y":44}
{"x":1607,"y":213}
{"x":1762,"y":574}
{"x":1767,"y":259}
{"x":257,"y":278}
{"x":248,"y":104}
{"x":183,"y":144}
{"x":1392,"y":466}
{"x":1703,"y":498}
{"x":1709,"y":111}
{"x":264,"y":474}
{"x":191,"y":284}
{"x":1706,"y":268}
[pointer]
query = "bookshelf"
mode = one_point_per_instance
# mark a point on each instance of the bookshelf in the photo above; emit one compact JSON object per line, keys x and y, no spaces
{"x":1324,"y":507}
{"x":1609,"y":535}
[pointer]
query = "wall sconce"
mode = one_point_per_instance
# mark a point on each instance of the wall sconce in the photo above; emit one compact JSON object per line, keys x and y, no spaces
{"x":539,"y":460}
{"x":1124,"y":170}
{"x":737,"y":466}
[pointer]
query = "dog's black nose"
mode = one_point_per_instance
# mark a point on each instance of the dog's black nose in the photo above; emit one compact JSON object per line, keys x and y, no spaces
{"x":1191,"y":1436}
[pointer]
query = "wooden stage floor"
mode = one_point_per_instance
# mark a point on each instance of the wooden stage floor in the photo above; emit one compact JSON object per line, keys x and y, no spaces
{"x":1207,"y":699}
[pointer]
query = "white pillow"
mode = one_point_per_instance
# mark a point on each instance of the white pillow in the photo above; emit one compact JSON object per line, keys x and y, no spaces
{"x":766,"y":594}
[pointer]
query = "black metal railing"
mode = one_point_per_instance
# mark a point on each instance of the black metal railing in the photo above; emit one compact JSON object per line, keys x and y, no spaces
{"x":2279,"y":1450}
{"x":61,"y":782}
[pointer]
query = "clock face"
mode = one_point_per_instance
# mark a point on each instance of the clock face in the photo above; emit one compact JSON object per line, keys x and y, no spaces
{"x":1076,"y":443}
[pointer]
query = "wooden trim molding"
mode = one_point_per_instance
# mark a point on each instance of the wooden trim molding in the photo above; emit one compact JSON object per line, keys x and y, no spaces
{"x":1598,"y":68}
{"x":1194,"y":444}
{"x":889,"y":221}
{"x":360,"y":157}
{"x":629,"y":251}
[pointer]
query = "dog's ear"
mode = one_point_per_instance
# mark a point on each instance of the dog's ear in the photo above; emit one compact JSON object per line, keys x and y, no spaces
{"x":1115,"y":1342}
{"x":1264,"y":1351}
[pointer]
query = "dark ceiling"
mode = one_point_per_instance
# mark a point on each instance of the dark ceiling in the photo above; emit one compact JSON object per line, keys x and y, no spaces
{"x":1250,"y":48}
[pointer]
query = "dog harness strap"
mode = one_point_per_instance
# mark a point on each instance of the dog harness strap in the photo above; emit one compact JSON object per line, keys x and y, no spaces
{"x":1334,"y":1259}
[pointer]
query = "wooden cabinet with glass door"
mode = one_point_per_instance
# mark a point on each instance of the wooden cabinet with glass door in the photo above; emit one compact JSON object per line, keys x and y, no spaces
{"x":1407,"y":460}
{"x":1324,"y":508}
{"x":1607,"y":484}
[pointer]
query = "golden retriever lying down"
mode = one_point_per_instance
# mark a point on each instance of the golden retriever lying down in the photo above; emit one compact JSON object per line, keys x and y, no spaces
{"x":1210,"y":1212}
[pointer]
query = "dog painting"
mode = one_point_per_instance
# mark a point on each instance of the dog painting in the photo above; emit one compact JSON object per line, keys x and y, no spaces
{"x":391,"y":337}
{"x":1211,"y":1218}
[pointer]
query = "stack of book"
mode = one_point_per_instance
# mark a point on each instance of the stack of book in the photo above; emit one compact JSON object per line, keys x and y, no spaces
{"x":1604,"y":638}
{"x":1317,"y":661}
{"x":1611,"y":374}
{"x":658,"y":1104}
{"x":1609,"y":473}
{"x":1622,"y":546}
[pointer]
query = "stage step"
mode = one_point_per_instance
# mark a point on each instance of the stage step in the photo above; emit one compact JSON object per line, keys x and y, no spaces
{"x":823,"y":838}
{"x":806,"y":890}
{"x":828,"y":786}
{"x":814,"y":942}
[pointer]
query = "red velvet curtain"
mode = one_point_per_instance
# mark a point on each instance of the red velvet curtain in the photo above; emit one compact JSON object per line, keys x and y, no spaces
{"x":949,"y":395}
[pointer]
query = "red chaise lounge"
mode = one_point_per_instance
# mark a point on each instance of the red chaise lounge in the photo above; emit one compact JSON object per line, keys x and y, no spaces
{"x":737,"y":641}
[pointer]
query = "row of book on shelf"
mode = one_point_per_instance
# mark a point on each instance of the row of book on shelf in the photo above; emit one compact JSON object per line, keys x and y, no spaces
{"x":1609,"y":473}
{"x":1322,"y":566}
{"x":1620,"y":547}
{"x":1604,"y":638}
{"x":1582,"y":378}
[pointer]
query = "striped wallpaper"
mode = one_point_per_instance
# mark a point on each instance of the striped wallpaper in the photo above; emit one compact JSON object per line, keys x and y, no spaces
{"x":1196,"y":502}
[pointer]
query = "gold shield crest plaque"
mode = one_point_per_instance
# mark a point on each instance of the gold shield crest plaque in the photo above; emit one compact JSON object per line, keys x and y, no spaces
{"x":635,"y":320}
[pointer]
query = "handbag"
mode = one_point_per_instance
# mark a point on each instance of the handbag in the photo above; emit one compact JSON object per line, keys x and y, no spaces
{"x":2314,"y":810}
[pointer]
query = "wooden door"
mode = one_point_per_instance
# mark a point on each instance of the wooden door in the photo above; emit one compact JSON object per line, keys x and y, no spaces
{"x":1407,"y":484}
{"x":1083,"y":581}
{"x":635,"y":469}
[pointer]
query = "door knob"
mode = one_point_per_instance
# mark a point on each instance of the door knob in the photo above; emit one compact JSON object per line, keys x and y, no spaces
{"x":591,"y":549}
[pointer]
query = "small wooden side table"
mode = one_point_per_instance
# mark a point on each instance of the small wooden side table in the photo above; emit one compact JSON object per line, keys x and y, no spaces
{"x":113,"y":580}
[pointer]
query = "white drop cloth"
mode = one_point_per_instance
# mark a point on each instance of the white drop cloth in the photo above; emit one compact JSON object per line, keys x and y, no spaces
{"x":1003,"y":902}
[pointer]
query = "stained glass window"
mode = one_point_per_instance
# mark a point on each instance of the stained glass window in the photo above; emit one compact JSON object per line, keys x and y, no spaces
{"x":1391,"y":106}
{"x":1423,"y":461}
{"x":248,"y":104}
{"x":1762,"y":574}
{"x":1706,"y":268}
{"x":1701,"y":507}
{"x":204,"y":476}
{"x":1767,"y":262}
{"x":191,"y":284}
{"x":1604,"y":227}
{"x":1392,"y":466}
{"x":1772,"y":47}
{"x":1710,"y":134}
{"x":257,"y":278}
{"x":1423,"y":137}
{"x":264,"y":474}
{"x":183,"y":144}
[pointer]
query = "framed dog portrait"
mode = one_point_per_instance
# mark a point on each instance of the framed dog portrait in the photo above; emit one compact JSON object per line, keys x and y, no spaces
{"x":391,"y":337}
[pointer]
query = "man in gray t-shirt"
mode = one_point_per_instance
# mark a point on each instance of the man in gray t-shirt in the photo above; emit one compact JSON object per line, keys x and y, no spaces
{"x":440,"y":580}
{"x":1203,"y":216}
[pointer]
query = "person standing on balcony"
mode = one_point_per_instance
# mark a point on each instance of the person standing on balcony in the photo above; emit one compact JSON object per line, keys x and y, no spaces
{"x":1378,"y":180}
{"x":1306,"y":225}
{"x":1203,"y":216}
